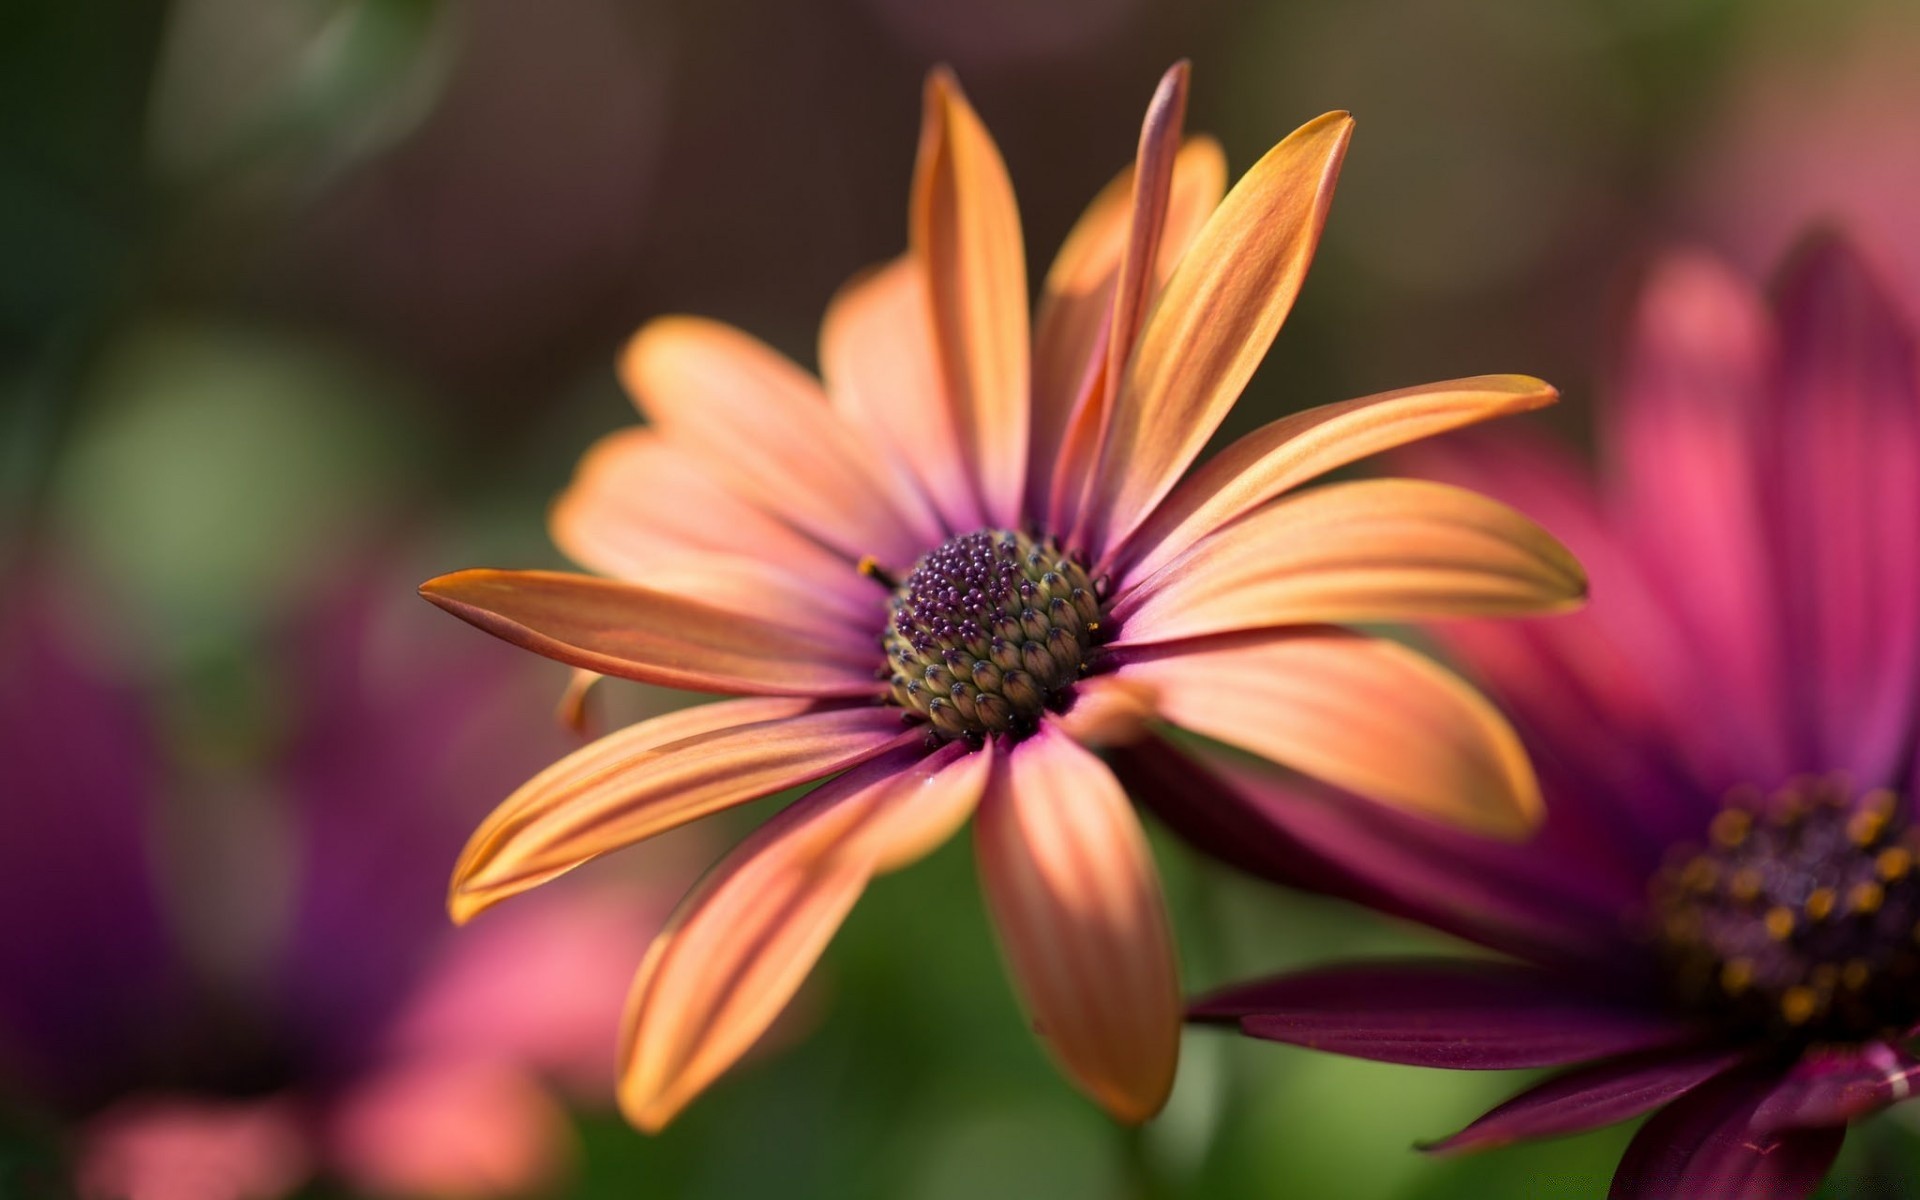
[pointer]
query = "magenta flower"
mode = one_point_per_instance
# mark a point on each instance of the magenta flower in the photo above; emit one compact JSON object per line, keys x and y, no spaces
{"x":1718,"y":922}
{"x":225,"y":966}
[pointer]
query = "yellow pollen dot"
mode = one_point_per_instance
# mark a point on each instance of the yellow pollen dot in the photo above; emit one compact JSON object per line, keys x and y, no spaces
{"x":1894,"y":862}
{"x":1779,"y":922}
{"x":1745,"y":885}
{"x":1700,"y":875}
{"x":1881,"y":801}
{"x":1731,"y":826}
{"x":1736,"y":976}
{"x":1825,"y":976}
{"x":1820,"y":903}
{"x":1866,"y":897}
{"x":1798,"y":1004}
{"x":1856,"y":974}
{"x":1864,"y":827}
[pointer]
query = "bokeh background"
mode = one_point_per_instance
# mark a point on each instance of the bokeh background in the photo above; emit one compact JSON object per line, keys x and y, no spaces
{"x":302,"y":301}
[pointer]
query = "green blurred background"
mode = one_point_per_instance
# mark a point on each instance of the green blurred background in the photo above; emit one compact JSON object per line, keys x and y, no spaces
{"x":283,"y":278}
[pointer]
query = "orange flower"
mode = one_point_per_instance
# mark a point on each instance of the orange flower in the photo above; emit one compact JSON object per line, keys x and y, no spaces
{"x":971,"y":556}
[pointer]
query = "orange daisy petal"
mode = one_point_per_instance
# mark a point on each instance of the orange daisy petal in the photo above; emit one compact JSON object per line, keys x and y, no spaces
{"x":1169,"y":199}
{"x":638,"y":503}
{"x":637,"y":633}
{"x":1351,"y":553}
{"x":1108,"y":710}
{"x":1080,"y":916}
{"x":652,"y":777}
{"x":965,"y":230}
{"x":1076,"y":301}
{"x":1215,"y":319}
{"x":1296,"y":449}
{"x":1362,"y":713}
{"x":743,"y":941}
{"x":882,"y":370}
{"x":763,"y":426}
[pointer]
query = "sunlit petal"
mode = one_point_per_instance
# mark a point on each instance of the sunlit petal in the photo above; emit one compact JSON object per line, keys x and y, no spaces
{"x":744,"y":940}
{"x":1076,"y":304}
{"x":651,"y":777}
{"x":1213,"y":323}
{"x":1362,"y":713}
{"x":1081,"y":919}
{"x":763,"y":426}
{"x":1299,"y":448}
{"x":654,"y":637}
{"x":965,"y":230}
{"x":1376,"y":550}
{"x":883,"y":372}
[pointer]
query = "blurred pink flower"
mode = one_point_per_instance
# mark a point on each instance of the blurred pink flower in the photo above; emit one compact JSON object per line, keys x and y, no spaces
{"x":1718,"y":923}
{"x":357,"y":1036}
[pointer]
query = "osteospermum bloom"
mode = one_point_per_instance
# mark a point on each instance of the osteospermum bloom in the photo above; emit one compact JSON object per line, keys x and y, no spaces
{"x":1721,"y":917}
{"x":945,"y":575}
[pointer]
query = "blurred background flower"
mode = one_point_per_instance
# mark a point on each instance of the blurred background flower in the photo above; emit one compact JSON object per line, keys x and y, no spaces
{"x":287,"y":275}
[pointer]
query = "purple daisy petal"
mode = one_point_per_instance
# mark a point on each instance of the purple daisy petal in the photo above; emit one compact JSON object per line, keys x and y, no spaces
{"x":1846,"y":508}
{"x":1832,"y":1087}
{"x":1705,"y":1144}
{"x":1592,"y":1096}
{"x":1455,"y":1013}
{"x":1524,"y":900}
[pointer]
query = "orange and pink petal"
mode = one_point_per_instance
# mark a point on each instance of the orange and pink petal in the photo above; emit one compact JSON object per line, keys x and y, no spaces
{"x":1297,"y":449}
{"x":655,"y":637}
{"x":655,"y":776}
{"x":1077,"y":904}
{"x":1378,"y":550}
{"x":1362,"y":713}
{"x":745,"y":939}
{"x":763,"y":426}
{"x":1214,"y":321}
{"x":965,"y":231}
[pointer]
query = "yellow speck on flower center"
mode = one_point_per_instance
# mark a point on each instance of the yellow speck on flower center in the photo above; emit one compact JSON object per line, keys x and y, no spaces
{"x":1801,"y":916}
{"x":987,"y":631}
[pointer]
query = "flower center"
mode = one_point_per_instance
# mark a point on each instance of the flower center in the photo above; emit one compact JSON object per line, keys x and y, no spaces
{"x":986,"y":632}
{"x":1801,"y":917}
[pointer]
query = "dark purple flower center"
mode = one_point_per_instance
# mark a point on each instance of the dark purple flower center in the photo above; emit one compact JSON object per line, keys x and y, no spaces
{"x":987,"y":631}
{"x":1801,"y":917}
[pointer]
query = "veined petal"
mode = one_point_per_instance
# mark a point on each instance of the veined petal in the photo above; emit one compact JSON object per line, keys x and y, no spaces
{"x":763,"y":426}
{"x":1362,"y":713}
{"x":883,"y":371}
{"x":1844,"y":476}
{"x":1076,"y":306}
{"x":1589,"y":1097}
{"x":1215,"y":320}
{"x":965,"y":230}
{"x":1705,"y":1144}
{"x":1345,"y":553}
{"x":653,"y":776}
{"x":1135,"y":281}
{"x":1296,"y":449}
{"x":639,"y":505}
{"x":1683,"y":441}
{"x":1077,"y":904}
{"x":742,"y":942}
{"x":635,"y":633}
